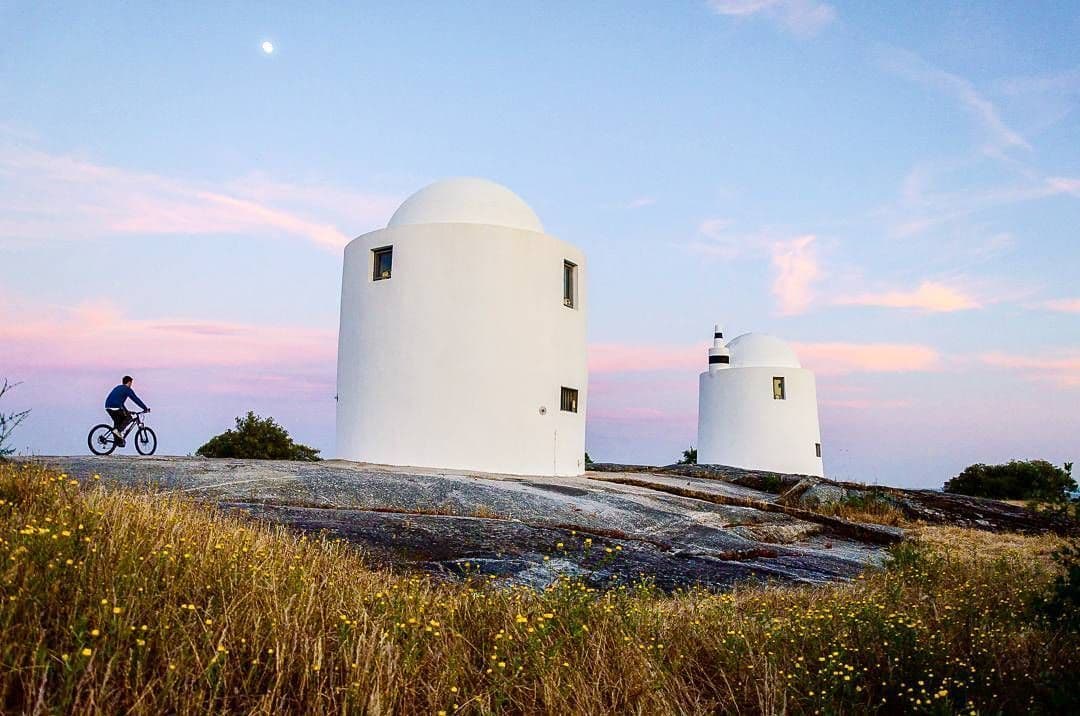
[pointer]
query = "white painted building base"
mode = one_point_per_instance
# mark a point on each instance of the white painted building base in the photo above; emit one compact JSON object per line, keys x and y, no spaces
{"x":458,"y":359}
{"x":741,"y":424}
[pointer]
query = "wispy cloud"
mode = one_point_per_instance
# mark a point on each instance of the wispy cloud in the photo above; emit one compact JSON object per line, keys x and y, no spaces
{"x":842,"y":358}
{"x":49,"y":196}
{"x":921,"y":209}
{"x":1063,"y":305}
{"x":826,"y":358}
{"x":96,"y":335}
{"x":801,"y":17}
{"x":624,"y":358}
{"x":1062,"y":368}
{"x":865,"y":403}
{"x":716,"y":239}
{"x":1066,"y":82}
{"x":640,"y":202}
{"x":795,"y":263}
{"x":999,"y":136}
{"x":930,"y":296}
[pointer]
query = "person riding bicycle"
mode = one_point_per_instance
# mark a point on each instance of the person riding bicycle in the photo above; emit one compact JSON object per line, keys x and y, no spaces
{"x":114,"y":406}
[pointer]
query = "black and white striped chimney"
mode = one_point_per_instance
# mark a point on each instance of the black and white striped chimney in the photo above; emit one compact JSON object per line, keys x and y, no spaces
{"x":719,"y":355}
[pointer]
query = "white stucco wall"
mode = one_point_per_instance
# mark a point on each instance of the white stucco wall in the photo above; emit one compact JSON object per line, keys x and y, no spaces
{"x":740,"y":423}
{"x":448,"y":363}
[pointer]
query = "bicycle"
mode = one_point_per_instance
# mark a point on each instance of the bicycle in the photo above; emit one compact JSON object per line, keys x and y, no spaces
{"x":102,"y":440}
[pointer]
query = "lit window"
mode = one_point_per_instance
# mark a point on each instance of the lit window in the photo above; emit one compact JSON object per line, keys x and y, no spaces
{"x":569,"y":284}
{"x":384,"y":259}
{"x":817,"y":449}
{"x":569,"y":400}
{"x":778,"y":392}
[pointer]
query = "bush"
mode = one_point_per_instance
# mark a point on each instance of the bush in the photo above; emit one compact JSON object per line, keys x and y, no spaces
{"x":8,"y":421}
{"x":257,"y":438}
{"x":689,"y":456}
{"x":1062,"y":604}
{"x":1015,"y":480}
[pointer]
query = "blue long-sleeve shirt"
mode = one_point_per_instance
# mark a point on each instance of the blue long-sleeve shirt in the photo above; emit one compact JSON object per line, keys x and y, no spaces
{"x":120,"y":394}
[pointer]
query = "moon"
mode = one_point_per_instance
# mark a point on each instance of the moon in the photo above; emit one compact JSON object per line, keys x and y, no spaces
{"x":268,"y":47}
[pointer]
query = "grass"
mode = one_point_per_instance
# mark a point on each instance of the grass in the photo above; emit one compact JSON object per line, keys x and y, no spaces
{"x":871,"y":506}
{"x":119,"y":601}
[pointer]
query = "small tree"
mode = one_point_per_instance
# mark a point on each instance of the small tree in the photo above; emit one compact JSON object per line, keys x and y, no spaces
{"x":1015,"y":480}
{"x":257,"y":438}
{"x":588,"y":460}
{"x":689,"y":456}
{"x":8,"y":421}
{"x":1062,"y":604}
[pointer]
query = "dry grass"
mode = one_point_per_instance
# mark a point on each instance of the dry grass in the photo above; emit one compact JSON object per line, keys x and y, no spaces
{"x":114,"y":601}
{"x":980,"y":546}
{"x":869,"y":507}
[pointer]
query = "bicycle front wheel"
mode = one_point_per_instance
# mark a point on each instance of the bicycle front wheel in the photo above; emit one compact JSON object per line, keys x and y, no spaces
{"x":101,"y":440}
{"x":145,"y":441}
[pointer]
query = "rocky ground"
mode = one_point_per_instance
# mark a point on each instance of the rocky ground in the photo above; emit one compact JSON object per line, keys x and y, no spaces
{"x":799,"y":491}
{"x":678,"y":525}
{"x":610,"y":527}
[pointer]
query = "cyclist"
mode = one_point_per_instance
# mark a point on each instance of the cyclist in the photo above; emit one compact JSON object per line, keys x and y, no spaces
{"x":114,"y":406}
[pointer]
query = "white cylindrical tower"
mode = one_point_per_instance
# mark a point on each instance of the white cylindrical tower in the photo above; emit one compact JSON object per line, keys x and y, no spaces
{"x":462,"y":340}
{"x":757,"y":408}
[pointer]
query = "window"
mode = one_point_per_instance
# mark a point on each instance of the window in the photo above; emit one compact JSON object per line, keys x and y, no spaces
{"x":569,"y":284}
{"x":384,"y":259}
{"x":569,"y":400}
{"x":817,"y":449}
{"x":778,"y":392}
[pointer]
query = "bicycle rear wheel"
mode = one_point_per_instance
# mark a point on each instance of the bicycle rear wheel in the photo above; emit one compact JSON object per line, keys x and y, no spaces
{"x":101,"y":440}
{"x":145,"y":441}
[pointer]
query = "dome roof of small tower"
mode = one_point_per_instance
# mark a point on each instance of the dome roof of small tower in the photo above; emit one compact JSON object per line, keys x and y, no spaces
{"x":466,"y":200}
{"x":754,"y":350}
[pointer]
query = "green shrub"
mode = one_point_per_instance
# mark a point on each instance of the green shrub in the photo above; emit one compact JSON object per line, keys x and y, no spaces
{"x":1062,"y":604}
{"x":771,"y":482}
{"x":689,"y":456}
{"x":257,"y":439}
{"x":8,"y":421}
{"x":1015,"y":480}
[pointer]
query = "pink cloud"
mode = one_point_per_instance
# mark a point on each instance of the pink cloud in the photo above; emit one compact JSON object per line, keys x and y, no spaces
{"x":638,"y":414}
{"x":622,"y":358}
{"x":53,"y":196}
{"x":796,"y":265}
{"x":96,"y":335}
{"x":865,"y":404}
{"x":1063,"y":369}
{"x":930,"y":296}
{"x":1062,"y":185}
{"x":842,"y":358}
{"x":1064,"y":305}
{"x":823,"y":358}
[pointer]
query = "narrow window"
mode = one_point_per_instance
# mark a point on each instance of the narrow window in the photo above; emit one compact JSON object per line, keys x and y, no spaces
{"x":384,"y":259}
{"x":569,"y":400}
{"x":817,"y":449}
{"x":569,"y":284}
{"x":778,"y":392}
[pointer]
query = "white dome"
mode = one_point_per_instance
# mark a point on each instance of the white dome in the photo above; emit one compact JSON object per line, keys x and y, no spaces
{"x":758,"y":350}
{"x":466,"y":201}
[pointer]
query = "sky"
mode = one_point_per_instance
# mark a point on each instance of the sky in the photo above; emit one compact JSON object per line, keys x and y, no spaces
{"x":894,"y":188}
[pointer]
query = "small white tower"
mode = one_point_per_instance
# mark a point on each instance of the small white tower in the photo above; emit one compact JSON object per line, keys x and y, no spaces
{"x":757,"y":407}
{"x":462,"y":340}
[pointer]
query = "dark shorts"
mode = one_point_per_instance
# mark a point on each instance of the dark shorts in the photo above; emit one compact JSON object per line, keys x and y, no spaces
{"x":120,"y":417}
